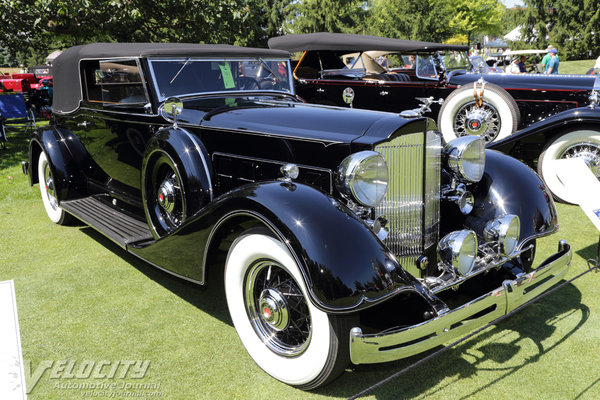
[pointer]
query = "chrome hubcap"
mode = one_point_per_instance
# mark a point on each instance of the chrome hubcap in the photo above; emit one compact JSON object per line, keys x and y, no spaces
{"x":50,"y":190}
{"x":590,"y":153}
{"x":481,"y":121}
{"x":167,"y":193}
{"x":273,"y":309}
{"x":277,"y":309}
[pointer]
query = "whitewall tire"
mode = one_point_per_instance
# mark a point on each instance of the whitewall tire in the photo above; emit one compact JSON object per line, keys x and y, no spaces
{"x":497,"y":118}
{"x":284,"y":333}
{"x":582,"y":143}
{"x":48,"y":192}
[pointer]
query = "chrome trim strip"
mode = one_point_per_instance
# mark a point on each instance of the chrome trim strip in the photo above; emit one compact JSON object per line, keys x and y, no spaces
{"x":405,"y":342}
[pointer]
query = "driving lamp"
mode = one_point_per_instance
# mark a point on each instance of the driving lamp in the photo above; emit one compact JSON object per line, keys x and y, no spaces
{"x":466,"y":157}
{"x":458,"y":249}
{"x":363,"y":177}
{"x":505,"y":231}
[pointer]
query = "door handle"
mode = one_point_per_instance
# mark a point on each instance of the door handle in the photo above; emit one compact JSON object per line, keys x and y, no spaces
{"x":84,"y":124}
{"x":319,"y":90}
{"x":383,"y":93}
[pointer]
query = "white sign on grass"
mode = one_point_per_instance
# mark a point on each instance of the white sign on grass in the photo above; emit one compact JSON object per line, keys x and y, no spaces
{"x":12,"y":379}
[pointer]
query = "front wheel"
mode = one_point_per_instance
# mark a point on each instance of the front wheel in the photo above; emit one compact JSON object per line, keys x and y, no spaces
{"x":284,"y":333}
{"x":497,"y":118}
{"x":582,"y":143}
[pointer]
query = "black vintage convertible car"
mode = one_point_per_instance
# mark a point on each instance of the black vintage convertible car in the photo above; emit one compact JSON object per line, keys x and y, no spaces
{"x":389,"y":74}
{"x":343,"y":235}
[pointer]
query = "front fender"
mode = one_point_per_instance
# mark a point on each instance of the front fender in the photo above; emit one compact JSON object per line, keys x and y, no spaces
{"x":541,"y":132}
{"x":344,"y":264}
{"x":510,"y":187}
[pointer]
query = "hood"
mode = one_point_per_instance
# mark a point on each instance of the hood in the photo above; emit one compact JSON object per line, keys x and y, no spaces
{"x":272,"y":116}
{"x":529,"y":81}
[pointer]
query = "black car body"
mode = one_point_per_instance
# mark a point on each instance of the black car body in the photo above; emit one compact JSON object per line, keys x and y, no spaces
{"x":508,"y":102}
{"x":328,"y":220}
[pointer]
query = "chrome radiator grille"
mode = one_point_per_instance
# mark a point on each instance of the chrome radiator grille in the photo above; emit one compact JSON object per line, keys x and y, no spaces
{"x":412,"y":202}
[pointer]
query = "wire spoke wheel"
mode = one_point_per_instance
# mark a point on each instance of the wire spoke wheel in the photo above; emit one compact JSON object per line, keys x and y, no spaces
{"x":481,"y":121}
{"x":277,"y":308}
{"x":589,"y":152}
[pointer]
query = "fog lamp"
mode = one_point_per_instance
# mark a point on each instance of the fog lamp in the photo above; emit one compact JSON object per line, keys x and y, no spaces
{"x":505,"y":231}
{"x":465,"y":156}
{"x":459,"y":250}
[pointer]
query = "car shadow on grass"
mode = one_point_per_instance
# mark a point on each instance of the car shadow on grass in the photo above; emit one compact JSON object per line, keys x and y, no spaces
{"x":208,"y":298}
{"x":536,"y":323}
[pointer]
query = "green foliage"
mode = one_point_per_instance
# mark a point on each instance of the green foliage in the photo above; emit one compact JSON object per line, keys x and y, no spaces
{"x":569,"y":25}
{"x":468,"y":17}
{"x":410,"y":19}
{"x":310,"y":16}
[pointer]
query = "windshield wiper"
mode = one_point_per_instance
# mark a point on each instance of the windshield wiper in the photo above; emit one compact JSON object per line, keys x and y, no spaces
{"x":180,"y":69}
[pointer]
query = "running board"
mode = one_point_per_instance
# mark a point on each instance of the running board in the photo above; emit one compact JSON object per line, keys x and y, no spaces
{"x":117,"y":226}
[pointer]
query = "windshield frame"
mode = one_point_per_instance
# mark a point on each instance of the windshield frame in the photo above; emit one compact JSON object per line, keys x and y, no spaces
{"x":190,"y":60}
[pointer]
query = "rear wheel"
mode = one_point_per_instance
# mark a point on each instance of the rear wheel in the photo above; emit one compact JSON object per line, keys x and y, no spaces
{"x":582,"y":143}
{"x":48,"y":192}
{"x":284,"y":333}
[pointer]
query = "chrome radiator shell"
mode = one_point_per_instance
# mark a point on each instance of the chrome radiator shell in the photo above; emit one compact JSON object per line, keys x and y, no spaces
{"x":412,"y":202}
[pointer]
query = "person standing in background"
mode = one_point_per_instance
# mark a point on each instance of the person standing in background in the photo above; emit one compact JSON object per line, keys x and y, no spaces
{"x":546,"y":58}
{"x":552,"y":66}
{"x":597,"y":67}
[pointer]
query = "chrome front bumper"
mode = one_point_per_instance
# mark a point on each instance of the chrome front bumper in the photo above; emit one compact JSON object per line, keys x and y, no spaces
{"x":405,"y":342}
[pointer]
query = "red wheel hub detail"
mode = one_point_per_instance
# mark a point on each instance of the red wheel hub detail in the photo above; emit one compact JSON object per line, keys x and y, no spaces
{"x":267,"y":313}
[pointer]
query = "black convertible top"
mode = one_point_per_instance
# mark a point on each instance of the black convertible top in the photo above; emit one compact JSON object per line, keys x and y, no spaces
{"x":65,"y":68}
{"x":351,"y":42}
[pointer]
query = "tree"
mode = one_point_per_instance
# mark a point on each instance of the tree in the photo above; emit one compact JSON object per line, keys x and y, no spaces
{"x":572,"y":26}
{"x":38,"y":27}
{"x":410,"y":19}
{"x":309,"y":16}
{"x":481,"y":16}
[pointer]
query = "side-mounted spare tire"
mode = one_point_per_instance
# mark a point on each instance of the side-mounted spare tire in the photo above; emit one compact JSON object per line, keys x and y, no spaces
{"x":176,"y":179}
{"x":497,"y":118}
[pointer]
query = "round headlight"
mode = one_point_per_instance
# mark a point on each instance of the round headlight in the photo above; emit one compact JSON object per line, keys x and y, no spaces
{"x":466,"y":157}
{"x":505,"y":231}
{"x":363,"y":177}
{"x":459,"y":250}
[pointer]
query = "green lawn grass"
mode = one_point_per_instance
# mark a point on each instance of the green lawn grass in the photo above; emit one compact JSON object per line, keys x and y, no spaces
{"x":80,"y":297}
{"x":576,"y":67}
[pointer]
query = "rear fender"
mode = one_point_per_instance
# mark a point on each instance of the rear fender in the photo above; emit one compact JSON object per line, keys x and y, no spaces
{"x":68,"y":179}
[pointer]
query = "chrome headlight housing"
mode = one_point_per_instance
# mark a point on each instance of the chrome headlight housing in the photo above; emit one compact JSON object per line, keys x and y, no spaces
{"x":466,"y":157}
{"x":459,"y":250}
{"x":363,"y":177}
{"x":505,"y":231}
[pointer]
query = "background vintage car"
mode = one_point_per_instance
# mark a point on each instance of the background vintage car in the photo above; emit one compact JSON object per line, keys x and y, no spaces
{"x":326,"y":221}
{"x":510,"y":102}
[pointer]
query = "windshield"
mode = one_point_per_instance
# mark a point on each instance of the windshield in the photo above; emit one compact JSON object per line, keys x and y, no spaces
{"x":183,"y":77}
{"x":456,"y":60}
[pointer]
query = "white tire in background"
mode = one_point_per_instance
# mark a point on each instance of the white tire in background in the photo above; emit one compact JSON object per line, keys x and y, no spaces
{"x":257,"y":269}
{"x":583,"y":143}
{"x":497,"y":118}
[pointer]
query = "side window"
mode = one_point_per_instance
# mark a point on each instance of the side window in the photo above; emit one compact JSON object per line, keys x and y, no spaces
{"x":114,"y":83}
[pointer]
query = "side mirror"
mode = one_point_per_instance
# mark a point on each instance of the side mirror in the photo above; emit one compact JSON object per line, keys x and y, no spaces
{"x":172,"y":107}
